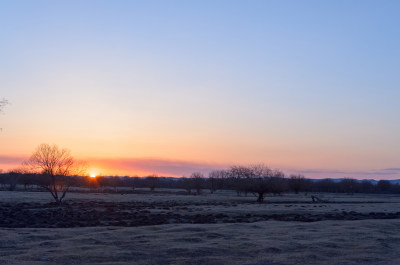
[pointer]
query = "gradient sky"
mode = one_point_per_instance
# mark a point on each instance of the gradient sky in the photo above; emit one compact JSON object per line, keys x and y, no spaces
{"x":172,"y":87}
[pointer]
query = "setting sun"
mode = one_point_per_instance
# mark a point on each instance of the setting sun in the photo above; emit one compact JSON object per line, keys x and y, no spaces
{"x":92,"y":175}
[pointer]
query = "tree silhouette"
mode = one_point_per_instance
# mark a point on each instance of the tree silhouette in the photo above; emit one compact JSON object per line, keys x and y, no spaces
{"x":55,"y":165}
{"x":258,"y":179}
{"x":198,"y":181}
{"x":216,"y":179}
{"x":296,"y":183}
{"x":153,"y":182}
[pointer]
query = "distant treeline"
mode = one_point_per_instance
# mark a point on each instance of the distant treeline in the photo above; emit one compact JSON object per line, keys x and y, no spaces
{"x":258,"y":180}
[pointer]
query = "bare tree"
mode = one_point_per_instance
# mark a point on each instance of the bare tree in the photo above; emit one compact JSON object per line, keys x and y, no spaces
{"x":297,"y":183}
{"x":239,"y":176}
{"x":198,"y":182}
{"x":258,"y":179}
{"x":216,"y":180}
{"x":186,"y":183}
{"x":153,"y":182}
{"x":367,"y":187}
{"x":384,"y":186}
{"x":55,"y":165}
{"x":348,"y":185}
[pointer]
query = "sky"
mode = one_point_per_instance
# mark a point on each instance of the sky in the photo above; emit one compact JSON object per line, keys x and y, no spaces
{"x":173,"y":87}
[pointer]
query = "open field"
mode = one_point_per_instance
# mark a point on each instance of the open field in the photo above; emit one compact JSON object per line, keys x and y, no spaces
{"x":221,"y":228}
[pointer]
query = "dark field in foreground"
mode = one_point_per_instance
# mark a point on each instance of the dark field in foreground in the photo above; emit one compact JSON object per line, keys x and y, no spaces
{"x":208,"y":229}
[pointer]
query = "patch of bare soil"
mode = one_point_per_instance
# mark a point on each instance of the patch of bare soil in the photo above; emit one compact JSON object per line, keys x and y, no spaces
{"x":80,"y":213}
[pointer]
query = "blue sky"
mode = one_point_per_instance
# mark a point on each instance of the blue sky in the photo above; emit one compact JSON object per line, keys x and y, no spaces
{"x":299,"y":85}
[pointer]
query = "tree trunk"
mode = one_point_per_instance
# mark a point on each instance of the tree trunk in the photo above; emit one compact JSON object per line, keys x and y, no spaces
{"x":260,"y":197}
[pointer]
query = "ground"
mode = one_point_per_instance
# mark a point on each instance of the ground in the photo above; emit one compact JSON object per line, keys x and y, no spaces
{"x":221,"y":228}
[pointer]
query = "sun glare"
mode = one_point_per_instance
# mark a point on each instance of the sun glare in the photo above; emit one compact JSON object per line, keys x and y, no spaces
{"x":92,"y":175}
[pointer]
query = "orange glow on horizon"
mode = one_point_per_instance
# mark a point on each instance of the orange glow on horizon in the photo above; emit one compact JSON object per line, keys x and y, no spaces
{"x":163,"y":167}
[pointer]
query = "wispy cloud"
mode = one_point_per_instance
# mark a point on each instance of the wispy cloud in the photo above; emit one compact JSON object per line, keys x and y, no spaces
{"x":376,"y":174}
{"x":392,"y":169}
{"x":338,"y":172}
{"x":11,"y":159}
{"x":157,"y":165}
{"x":170,"y":167}
{"x":10,"y":162}
{"x":133,"y":166}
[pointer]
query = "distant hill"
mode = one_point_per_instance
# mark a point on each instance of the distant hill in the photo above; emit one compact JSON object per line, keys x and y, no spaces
{"x":373,"y":181}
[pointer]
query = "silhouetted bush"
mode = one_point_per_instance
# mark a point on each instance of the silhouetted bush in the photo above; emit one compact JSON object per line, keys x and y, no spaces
{"x":152,"y":182}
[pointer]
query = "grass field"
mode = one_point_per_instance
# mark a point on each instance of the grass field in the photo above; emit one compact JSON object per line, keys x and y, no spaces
{"x":221,"y":228}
